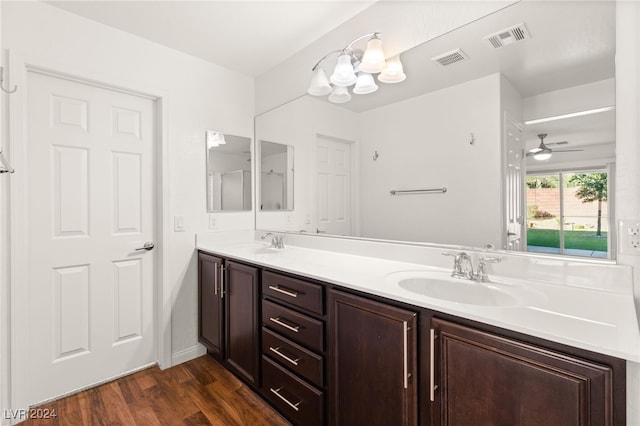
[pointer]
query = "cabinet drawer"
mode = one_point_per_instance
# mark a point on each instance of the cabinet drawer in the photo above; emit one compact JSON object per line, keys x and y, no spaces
{"x":297,"y":400}
{"x":296,"y":292}
{"x":296,"y":358}
{"x":298,"y":327}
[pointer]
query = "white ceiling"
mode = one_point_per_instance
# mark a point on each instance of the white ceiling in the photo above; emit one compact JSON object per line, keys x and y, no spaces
{"x":245,"y":36}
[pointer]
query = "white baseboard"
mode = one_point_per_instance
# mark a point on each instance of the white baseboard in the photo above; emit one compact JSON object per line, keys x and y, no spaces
{"x":187,"y":354}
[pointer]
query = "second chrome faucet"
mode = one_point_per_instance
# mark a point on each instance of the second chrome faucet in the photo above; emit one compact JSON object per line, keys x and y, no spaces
{"x":277,"y":241}
{"x":463,"y":266}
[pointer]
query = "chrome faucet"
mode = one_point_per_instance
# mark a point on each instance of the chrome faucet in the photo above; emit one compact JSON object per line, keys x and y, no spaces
{"x":463,"y":267}
{"x":277,"y":241}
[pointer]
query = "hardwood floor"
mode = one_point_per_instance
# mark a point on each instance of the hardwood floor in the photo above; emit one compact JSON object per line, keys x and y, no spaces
{"x":198,"y":392}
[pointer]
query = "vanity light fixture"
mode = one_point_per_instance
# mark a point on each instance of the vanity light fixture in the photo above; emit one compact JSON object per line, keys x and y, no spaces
{"x":356,"y":67}
{"x":214,"y":139}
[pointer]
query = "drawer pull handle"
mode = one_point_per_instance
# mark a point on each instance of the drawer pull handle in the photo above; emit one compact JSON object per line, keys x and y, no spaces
{"x":276,"y":392}
{"x":283,"y":291}
{"x":277,"y":320}
{"x":283,"y":356}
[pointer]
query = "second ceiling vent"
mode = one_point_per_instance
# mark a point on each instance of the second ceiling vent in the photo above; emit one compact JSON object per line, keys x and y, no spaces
{"x":508,"y":36}
{"x":451,"y":57}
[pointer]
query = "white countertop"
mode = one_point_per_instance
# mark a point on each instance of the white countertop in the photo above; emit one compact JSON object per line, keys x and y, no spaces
{"x":600,"y":320}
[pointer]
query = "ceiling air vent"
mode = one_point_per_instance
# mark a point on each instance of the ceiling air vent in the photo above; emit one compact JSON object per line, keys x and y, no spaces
{"x":452,"y":57}
{"x":508,"y":36}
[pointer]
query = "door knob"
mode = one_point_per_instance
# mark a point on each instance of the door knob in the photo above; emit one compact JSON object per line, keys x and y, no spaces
{"x":147,"y":246}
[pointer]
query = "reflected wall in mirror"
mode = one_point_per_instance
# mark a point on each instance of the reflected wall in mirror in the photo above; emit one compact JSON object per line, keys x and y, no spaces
{"x":463,"y":126}
{"x":276,"y":176}
{"x":228,"y":172}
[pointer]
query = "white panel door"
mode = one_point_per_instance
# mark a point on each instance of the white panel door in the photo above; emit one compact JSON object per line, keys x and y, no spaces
{"x":333,"y":186}
{"x":514,"y":186}
{"x":91,"y":197}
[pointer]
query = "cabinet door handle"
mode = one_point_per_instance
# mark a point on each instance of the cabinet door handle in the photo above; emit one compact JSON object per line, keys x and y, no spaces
{"x":283,"y":356}
{"x":215,"y":278}
{"x":405,"y":367}
{"x":277,"y":320}
{"x":222,"y":268}
{"x":432,"y":385}
{"x":283,"y":291}
{"x":276,"y":392}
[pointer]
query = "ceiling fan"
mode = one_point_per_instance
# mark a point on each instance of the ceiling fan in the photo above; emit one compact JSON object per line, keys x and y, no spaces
{"x":543,"y":152}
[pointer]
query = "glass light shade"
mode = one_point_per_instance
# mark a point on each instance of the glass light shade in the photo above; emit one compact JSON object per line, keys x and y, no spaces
{"x":343,"y":75}
{"x":339,"y":95}
{"x":319,"y":83}
{"x":215,"y":139}
{"x":365,"y":84}
{"x":393,"y":72}
{"x":373,"y":58}
{"x":543,"y":155}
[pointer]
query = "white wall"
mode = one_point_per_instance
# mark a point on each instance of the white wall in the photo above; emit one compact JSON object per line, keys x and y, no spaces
{"x":436,"y":127}
{"x":200,"y":96}
{"x":627,"y":194}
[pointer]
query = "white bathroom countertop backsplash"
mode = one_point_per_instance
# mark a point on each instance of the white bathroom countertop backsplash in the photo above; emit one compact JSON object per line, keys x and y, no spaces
{"x":580,"y":303}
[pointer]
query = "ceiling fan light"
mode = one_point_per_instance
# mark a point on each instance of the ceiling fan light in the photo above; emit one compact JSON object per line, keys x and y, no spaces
{"x":319,"y":85}
{"x":373,"y":58}
{"x":393,"y":72}
{"x":343,"y":75}
{"x":365,"y":84}
{"x":542,"y":155}
{"x":339,"y":95}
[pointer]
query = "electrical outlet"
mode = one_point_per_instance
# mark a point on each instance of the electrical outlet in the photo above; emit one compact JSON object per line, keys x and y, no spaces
{"x":212,"y":222}
{"x":629,"y":233}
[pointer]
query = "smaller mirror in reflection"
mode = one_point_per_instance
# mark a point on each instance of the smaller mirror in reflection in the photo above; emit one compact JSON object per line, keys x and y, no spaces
{"x":276,"y":176}
{"x":228,"y":172}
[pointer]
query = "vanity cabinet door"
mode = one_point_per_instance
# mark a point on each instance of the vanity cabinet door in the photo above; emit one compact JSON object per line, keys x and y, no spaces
{"x":372,"y":362}
{"x":210,"y":306}
{"x":241,"y":293}
{"x":484,"y":379}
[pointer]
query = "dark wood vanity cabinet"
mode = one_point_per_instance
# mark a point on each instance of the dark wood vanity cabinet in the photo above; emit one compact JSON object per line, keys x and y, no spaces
{"x":485,"y":379}
{"x":210,"y":304}
{"x":228,"y":295}
{"x":323,"y":355}
{"x":372,"y":362}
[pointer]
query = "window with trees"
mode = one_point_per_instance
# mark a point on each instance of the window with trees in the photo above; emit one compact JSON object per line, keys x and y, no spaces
{"x":567,"y":213}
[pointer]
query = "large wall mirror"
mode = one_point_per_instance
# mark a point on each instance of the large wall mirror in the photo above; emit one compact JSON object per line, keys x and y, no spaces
{"x":376,"y":167}
{"x":228,"y":172}
{"x":276,"y":176}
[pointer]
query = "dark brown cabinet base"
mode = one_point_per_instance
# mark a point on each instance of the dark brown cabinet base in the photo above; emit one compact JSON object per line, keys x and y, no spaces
{"x":372,"y":362}
{"x":323,"y":355}
{"x":486,"y":379}
{"x":229,"y":315}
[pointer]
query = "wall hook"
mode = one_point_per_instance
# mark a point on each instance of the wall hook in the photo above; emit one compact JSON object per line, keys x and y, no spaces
{"x":2,"y":83}
{"x":375,"y":155}
{"x":472,"y":140}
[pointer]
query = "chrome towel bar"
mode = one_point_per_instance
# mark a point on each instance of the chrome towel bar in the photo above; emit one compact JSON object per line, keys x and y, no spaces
{"x":417,"y":191}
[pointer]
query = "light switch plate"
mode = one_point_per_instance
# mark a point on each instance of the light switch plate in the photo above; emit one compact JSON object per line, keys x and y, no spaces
{"x":178,"y":223}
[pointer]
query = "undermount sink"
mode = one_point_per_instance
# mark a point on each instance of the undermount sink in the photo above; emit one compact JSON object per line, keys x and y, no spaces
{"x":440,"y":285}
